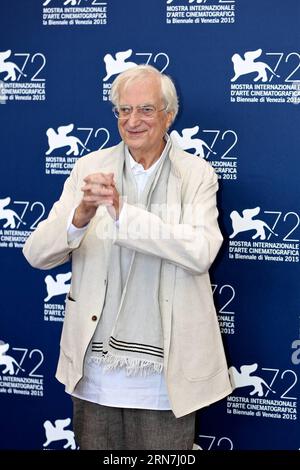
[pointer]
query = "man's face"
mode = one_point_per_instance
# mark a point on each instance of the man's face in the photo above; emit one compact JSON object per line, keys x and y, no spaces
{"x":144,"y":136}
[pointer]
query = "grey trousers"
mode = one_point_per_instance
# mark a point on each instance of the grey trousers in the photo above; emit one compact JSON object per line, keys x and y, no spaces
{"x":100,"y":427}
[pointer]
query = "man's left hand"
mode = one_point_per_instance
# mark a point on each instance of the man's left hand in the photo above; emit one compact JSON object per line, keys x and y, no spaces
{"x":115,"y":209}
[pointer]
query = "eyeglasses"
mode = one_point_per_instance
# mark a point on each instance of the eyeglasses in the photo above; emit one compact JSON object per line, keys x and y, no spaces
{"x":143,"y":111}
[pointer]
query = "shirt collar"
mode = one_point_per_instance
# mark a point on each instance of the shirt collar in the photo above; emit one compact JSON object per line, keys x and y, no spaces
{"x":137,"y":168}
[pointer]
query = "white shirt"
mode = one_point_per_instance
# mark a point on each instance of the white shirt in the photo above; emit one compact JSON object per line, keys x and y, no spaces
{"x":115,"y":388}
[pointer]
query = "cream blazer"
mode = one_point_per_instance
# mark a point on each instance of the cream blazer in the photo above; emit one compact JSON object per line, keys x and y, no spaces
{"x":186,"y":237}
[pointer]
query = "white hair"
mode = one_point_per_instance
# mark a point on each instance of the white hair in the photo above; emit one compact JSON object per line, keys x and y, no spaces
{"x":168,"y":90}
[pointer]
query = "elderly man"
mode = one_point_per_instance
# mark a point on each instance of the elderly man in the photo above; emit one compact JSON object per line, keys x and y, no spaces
{"x":141,"y":349}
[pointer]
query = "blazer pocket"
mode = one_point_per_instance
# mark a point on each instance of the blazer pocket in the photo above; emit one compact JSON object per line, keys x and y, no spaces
{"x":69,"y":297}
{"x":198,"y":345}
{"x":70,"y":327}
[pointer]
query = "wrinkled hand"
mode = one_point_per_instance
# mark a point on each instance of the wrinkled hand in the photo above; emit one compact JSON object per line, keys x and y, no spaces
{"x":99,"y":189}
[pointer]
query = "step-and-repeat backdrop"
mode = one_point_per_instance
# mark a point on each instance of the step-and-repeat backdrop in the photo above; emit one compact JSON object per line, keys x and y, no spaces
{"x":236,"y":64}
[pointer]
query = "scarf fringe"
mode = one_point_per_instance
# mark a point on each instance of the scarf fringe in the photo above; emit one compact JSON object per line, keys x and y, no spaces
{"x":133,"y":366}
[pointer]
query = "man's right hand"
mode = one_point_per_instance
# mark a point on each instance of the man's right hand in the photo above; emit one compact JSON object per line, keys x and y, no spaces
{"x":97,"y":190}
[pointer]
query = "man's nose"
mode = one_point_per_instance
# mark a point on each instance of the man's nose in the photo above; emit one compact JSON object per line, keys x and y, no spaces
{"x":134,"y":118}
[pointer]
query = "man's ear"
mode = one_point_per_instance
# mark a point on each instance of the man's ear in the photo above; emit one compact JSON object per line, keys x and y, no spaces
{"x":169,"y":120}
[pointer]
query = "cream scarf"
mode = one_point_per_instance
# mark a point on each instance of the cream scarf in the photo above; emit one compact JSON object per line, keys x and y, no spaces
{"x":129,"y":332}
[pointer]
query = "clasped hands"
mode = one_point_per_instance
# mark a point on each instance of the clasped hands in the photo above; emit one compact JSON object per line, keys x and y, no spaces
{"x":98,"y":189}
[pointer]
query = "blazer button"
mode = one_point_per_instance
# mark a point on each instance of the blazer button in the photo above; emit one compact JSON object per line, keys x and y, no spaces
{"x":94,"y":317}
